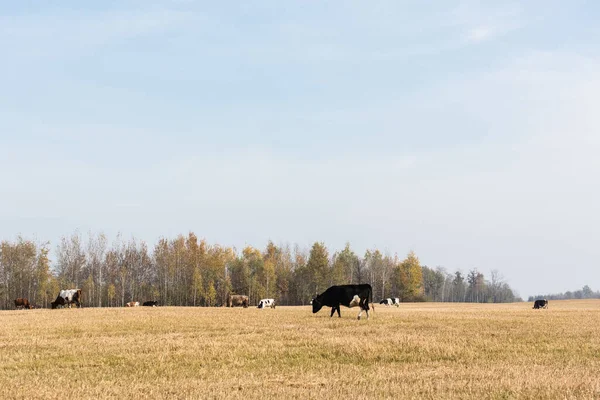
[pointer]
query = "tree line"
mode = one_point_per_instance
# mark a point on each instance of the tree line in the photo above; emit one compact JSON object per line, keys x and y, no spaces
{"x":584,"y":293}
{"x":188,"y":271}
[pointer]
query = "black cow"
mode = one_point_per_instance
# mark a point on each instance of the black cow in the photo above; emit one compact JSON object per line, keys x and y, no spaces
{"x":540,"y":304}
{"x":347,"y":295}
{"x":150,"y":304}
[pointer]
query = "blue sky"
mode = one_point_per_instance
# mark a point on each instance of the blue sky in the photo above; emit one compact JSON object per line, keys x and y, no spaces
{"x":465,"y":131}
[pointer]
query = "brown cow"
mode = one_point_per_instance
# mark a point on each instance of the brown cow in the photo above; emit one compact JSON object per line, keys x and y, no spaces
{"x":133,"y":304}
{"x":23,"y":303}
{"x":237,"y":300}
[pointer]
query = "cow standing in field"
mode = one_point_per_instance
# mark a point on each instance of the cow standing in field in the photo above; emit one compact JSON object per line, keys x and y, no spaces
{"x":346,"y":295}
{"x":150,"y":304}
{"x":393,"y":301}
{"x":22,"y":303}
{"x":66,"y":298}
{"x":237,"y":300}
{"x":543,"y":303}
{"x":133,"y":304}
{"x":386,"y":302}
{"x":264,"y":303}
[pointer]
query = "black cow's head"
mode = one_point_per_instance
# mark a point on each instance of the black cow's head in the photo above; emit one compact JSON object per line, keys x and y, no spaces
{"x":317,"y":304}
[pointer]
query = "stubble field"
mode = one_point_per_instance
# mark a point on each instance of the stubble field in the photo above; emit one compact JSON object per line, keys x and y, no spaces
{"x":427,"y":350}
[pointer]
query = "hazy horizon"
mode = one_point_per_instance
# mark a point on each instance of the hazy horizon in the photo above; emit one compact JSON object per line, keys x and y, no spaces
{"x":464,"y":131}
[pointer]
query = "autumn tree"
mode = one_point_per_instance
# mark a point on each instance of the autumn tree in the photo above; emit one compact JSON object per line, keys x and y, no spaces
{"x":409,"y":278}
{"x":70,"y":261}
{"x":186,"y":271}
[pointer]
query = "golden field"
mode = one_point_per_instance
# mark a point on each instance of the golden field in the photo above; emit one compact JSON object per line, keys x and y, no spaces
{"x":424,"y":350}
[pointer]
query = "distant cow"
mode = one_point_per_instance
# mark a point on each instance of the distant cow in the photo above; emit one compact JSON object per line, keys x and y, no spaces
{"x":237,"y":300}
{"x":67,"y":297}
{"x":133,"y":304}
{"x":150,"y":304}
{"x":264,"y":303}
{"x":543,"y":303}
{"x":346,"y":295}
{"x":396,"y":301}
{"x":387,"y":302}
{"x":23,"y":303}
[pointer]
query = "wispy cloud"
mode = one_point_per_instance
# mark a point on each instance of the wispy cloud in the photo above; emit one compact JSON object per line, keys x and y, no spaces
{"x":479,"y":24}
{"x":480,"y":34}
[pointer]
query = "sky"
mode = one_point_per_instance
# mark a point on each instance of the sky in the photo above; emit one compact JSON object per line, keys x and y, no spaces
{"x":466,"y":131}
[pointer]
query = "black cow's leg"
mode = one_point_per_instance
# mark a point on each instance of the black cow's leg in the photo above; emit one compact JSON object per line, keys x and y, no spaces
{"x":361,"y":307}
{"x":338,"y":311}
{"x":365,"y":307}
{"x":332,"y":311}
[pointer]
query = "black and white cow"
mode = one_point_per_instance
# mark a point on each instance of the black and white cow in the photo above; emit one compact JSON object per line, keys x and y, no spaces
{"x":543,"y":303}
{"x":346,"y":295}
{"x":264,"y":303}
{"x":67,"y":297}
{"x":386,"y":302}
{"x":391,"y":301}
{"x":150,"y":303}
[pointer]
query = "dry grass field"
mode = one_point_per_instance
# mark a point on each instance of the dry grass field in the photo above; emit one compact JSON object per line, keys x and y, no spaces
{"x":416,"y":351}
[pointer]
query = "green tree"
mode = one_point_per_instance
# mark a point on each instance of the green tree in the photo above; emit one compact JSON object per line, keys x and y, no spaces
{"x":347,"y":262}
{"x":318,"y":266}
{"x":433,"y":281}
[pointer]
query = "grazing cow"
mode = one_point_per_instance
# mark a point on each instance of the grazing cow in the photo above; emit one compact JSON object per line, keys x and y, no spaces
{"x":150,"y":304}
{"x":396,"y":301}
{"x":22,"y":303}
{"x":387,"y":302}
{"x":133,"y":304}
{"x":237,"y":300}
{"x":540,"y":304}
{"x":347,"y":295}
{"x":264,"y":303}
{"x":66,"y":298}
